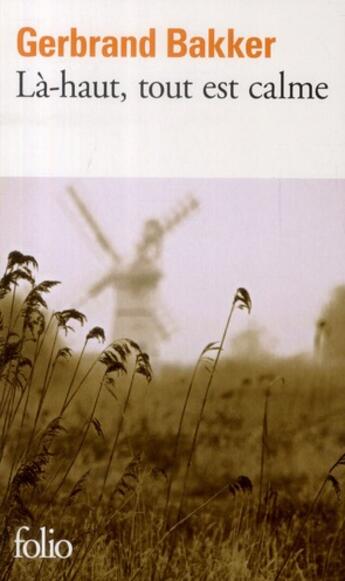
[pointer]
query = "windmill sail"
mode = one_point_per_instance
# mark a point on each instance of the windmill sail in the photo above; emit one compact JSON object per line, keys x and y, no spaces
{"x":101,"y":239}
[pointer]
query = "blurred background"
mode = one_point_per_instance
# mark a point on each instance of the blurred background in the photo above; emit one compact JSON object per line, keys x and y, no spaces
{"x":162,"y":258}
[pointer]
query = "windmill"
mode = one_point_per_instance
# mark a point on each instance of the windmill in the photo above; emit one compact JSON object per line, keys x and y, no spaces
{"x":136,"y":282}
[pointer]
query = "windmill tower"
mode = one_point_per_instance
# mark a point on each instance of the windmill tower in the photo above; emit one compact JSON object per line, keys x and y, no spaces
{"x":136,"y":283}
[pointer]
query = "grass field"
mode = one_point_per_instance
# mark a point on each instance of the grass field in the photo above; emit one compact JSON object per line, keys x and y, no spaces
{"x":231,"y":470}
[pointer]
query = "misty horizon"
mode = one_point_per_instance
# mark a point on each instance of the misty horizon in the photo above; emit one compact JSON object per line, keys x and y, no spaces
{"x":280,"y":239}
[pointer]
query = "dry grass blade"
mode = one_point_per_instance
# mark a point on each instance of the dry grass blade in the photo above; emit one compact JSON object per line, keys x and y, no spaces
{"x":241,"y":484}
{"x":53,"y":429}
{"x":340,"y":462}
{"x":133,"y":344}
{"x":214,"y":346}
{"x":115,"y":356}
{"x":63,"y":353}
{"x":96,"y":333}
{"x":98,"y":427}
{"x":34,"y":297}
{"x":64,"y":317}
{"x":78,"y":488}
{"x":112,"y":363}
{"x":9,"y":351}
{"x":335,"y":485}
{"x":129,"y":479}
{"x":143,"y":366}
{"x":242,"y":298}
{"x":12,"y":278}
{"x":16,"y":258}
{"x":33,"y":302}
{"x":30,"y":473}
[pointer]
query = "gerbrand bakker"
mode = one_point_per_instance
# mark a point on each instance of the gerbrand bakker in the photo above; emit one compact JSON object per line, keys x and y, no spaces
{"x":179,"y":43}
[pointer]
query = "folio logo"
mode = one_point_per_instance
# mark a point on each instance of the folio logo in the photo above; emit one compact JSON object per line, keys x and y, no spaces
{"x":41,"y":548}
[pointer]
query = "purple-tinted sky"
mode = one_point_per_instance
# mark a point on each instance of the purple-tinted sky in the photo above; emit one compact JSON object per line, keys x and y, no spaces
{"x":283,"y":240}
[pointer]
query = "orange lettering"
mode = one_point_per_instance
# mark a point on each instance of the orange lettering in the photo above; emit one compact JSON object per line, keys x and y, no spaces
{"x":177,"y":42}
{"x":46,"y":46}
{"x":27,"y":47}
{"x":254,"y":47}
{"x":268,"y":45}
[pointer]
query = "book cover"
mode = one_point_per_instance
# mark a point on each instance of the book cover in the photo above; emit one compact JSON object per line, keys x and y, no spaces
{"x":172,"y":290}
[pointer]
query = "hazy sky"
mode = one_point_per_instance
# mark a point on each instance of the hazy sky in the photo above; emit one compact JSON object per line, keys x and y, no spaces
{"x":283,"y":240}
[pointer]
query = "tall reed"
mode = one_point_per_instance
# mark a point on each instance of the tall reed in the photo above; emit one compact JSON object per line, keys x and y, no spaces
{"x":243,"y":301}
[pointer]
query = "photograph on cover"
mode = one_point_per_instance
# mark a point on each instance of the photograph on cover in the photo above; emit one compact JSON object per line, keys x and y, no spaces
{"x":172,"y":354}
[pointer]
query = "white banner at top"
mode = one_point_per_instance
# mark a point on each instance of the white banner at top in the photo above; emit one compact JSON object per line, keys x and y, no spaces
{"x":180,"y":89}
